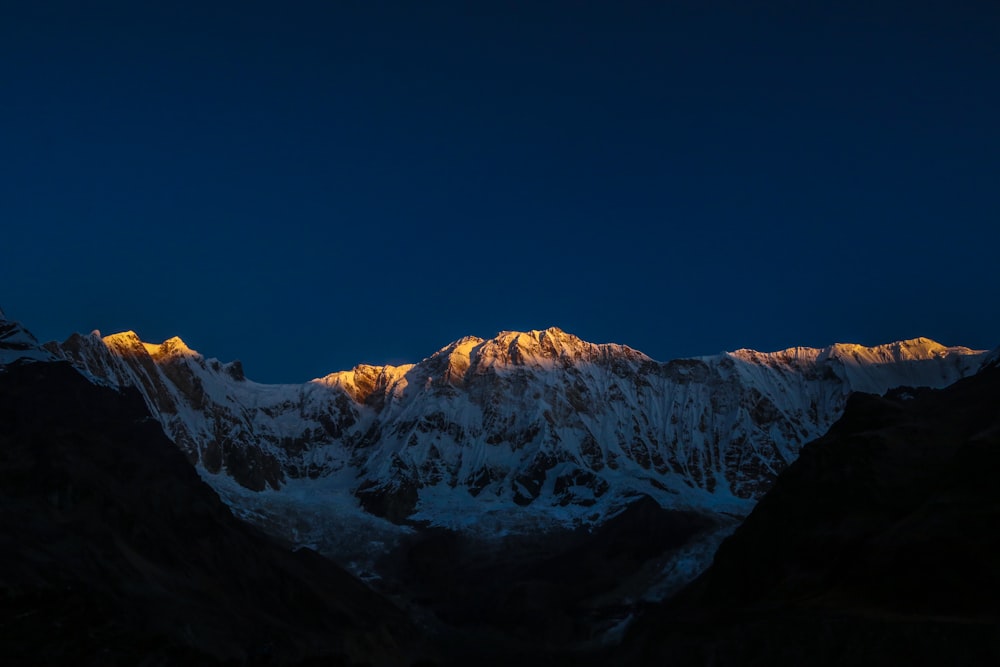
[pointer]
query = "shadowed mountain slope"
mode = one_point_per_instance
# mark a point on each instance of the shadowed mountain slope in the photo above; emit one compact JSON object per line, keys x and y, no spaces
{"x":113,"y":551}
{"x":877,"y":546}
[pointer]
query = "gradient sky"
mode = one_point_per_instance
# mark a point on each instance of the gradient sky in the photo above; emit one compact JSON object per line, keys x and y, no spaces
{"x":309,"y":185}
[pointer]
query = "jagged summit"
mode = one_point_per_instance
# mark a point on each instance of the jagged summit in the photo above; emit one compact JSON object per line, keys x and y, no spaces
{"x":472,"y":355}
{"x":131,"y":342}
{"x":123,"y":340}
{"x":550,"y":348}
{"x":172,"y":347}
{"x":364,"y":380}
{"x":552,"y":334}
{"x":519,"y":348}
{"x":539,"y":349}
{"x":463,"y":344}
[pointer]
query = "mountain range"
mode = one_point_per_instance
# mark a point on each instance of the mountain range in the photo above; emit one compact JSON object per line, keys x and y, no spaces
{"x":532,"y":484}
{"x":539,"y":419}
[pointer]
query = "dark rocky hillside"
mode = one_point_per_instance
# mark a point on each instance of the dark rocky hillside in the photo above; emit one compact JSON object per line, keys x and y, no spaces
{"x":549,"y":598}
{"x":113,"y":552}
{"x":879,"y":545}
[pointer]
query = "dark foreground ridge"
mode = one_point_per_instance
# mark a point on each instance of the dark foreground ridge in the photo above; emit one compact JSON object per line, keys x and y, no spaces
{"x":879,"y":545}
{"x":112,"y":550}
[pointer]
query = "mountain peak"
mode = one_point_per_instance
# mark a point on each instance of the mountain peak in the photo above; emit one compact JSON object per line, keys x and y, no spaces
{"x":462,"y":346}
{"x":536,"y":334}
{"x":16,"y":343}
{"x":124,"y":342}
{"x":128,"y":342}
{"x":122,"y":336}
{"x":535,"y":347}
{"x":172,"y":347}
{"x":912,"y":349}
{"x":365,"y":379}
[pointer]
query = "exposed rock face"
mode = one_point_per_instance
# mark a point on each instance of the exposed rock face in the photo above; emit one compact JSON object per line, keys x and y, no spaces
{"x":878,"y":545}
{"x":113,"y":551}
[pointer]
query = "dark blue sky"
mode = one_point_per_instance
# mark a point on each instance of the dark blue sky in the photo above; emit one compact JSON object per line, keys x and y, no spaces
{"x":312,"y":187}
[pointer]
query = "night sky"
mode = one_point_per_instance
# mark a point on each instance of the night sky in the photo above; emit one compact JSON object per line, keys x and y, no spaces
{"x":309,"y":185}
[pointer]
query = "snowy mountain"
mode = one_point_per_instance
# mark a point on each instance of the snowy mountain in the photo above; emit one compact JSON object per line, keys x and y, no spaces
{"x":541,"y":420}
{"x":538,"y":488}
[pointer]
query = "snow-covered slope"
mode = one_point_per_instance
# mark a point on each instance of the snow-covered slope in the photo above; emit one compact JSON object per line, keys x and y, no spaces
{"x":522,"y":427}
